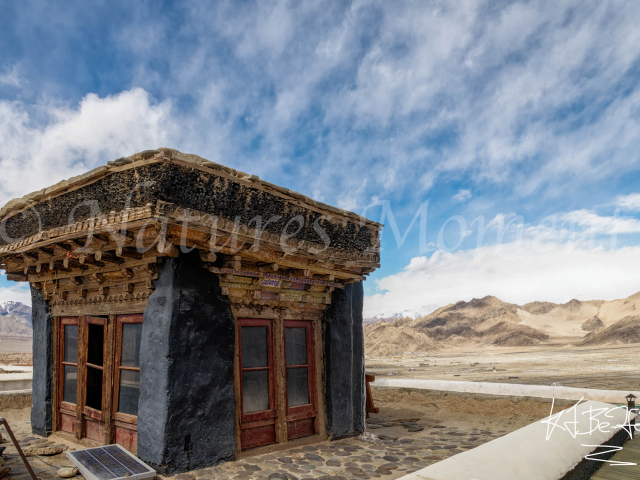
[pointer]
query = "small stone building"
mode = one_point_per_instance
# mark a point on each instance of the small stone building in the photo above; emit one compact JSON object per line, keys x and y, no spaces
{"x":191,"y":312}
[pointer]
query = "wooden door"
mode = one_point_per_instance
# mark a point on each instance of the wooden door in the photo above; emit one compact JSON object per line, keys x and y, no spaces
{"x":300,"y":379}
{"x":126,"y":384}
{"x":94,"y":360}
{"x":257,"y":389}
{"x":68,"y":374}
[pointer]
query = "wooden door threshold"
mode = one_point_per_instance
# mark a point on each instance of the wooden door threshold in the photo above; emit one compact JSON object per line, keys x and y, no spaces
{"x":274,"y":447}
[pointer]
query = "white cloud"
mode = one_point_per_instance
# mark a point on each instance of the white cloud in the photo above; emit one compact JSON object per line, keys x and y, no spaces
{"x":516,"y":273}
{"x":15,"y":293}
{"x":462,"y":196}
{"x":532,"y":96}
{"x":567,"y":255}
{"x":629,"y":202}
{"x":608,"y":225}
{"x":12,"y":78}
{"x":46,"y":143}
{"x":369,"y":89}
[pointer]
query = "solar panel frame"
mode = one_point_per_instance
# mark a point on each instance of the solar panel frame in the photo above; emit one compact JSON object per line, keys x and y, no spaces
{"x":110,"y":462}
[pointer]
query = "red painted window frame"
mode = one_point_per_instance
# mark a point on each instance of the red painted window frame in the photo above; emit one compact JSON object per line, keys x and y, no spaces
{"x":271,"y":413}
{"x":120,"y":321}
{"x":309,"y":410}
{"x":64,"y":321}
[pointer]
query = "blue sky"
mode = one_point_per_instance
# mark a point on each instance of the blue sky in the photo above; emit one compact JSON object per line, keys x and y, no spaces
{"x":513,"y":128}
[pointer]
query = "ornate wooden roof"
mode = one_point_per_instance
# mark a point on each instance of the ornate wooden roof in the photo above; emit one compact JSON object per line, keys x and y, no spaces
{"x":119,"y":219}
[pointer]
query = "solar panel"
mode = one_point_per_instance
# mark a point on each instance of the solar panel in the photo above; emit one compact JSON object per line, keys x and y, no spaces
{"x":111,"y":462}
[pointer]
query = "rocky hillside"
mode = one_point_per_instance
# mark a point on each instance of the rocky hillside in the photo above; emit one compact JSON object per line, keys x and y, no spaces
{"x":490,"y":321}
{"x":626,"y":330}
{"x":15,"y":319}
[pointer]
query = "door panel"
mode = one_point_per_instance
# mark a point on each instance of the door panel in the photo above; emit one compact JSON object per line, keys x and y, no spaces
{"x":301,"y":428}
{"x":67,"y":374}
{"x":95,"y":430}
{"x":300,"y":377}
{"x":85,"y":367}
{"x":258,"y":409}
{"x":258,"y":436}
{"x":257,"y":348}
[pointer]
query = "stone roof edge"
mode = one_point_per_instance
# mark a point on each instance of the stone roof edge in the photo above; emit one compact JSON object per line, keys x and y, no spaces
{"x":164,"y":154}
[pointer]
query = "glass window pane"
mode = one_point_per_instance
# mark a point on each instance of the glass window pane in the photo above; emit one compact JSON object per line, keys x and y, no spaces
{"x":255,"y":391}
{"x":70,"y":383}
{"x":71,"y":343}
{"x":94,"y":388}
{"x":254,"y":347}
{"x":131,"y":335}
{"x":297,"y":387}
{"x":129,"y":392}
{"x":296,"y":345}
{"x":96,"y":344}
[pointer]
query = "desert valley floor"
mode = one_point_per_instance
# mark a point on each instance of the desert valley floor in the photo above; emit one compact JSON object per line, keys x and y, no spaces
{"x":613,"y":367}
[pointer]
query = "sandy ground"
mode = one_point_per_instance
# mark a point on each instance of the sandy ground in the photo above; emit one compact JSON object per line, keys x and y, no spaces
{"x":15,"y":344}
{"x":610,"y":367}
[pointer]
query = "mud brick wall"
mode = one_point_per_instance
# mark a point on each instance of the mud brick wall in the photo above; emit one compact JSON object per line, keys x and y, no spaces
{"x":186,"y":407}
{"x":344,"y":362}
{"x":42,"y":383}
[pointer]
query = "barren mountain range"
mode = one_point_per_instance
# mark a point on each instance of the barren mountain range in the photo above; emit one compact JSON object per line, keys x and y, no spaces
{"x":15,"y":319}
{"x":490,"y":321}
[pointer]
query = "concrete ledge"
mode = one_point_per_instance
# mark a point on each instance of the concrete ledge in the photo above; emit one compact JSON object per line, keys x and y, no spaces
{"x":528,"y":453}
{"x":15,"y":399}
{"x":15,"y":381}
{"x":511,"y":389}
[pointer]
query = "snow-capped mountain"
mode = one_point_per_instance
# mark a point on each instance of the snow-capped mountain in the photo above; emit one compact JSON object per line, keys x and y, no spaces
{"x":409,"y":313}
{"x":15,"y":319}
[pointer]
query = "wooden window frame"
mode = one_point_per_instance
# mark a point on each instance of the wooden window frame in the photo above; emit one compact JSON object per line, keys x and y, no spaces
{"x":120,"y":321}
{"x":272,"y":412}
{"x":308,"y":410}
{"x":70,"y":407}
{"x":89,"y":411}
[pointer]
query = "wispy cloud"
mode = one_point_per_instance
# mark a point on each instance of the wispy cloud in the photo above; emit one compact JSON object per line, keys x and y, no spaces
{"x":630,"y":203}
{"x":12,"y":77}
{"x":462,"y":196}
{"x":526,"y":95}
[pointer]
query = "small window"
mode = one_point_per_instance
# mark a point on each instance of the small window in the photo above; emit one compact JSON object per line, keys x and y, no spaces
{"x":297,"y":366}
{"x":128,"y":364}
{"x":71,"y":344}
{"x":256,"y":368}
{"x":69,"y":360}
{"x":70,"y":383}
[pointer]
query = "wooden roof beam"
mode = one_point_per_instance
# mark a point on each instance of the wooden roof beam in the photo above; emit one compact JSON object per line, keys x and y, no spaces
{"x":105,"y":257}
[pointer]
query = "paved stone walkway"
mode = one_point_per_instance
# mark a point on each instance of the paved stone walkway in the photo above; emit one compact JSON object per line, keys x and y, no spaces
{"x":390,"y":448}
{"x":375,"y":454}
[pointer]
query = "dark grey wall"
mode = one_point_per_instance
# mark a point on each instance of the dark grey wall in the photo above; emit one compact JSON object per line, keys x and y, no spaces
{"x":186,"y":408}
{"x":42,"y":385}
{"x":344,"y":361}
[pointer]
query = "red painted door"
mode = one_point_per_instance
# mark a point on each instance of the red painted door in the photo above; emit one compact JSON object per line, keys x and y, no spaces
{"x":257,"y":402}
{"x":300,"y":375}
